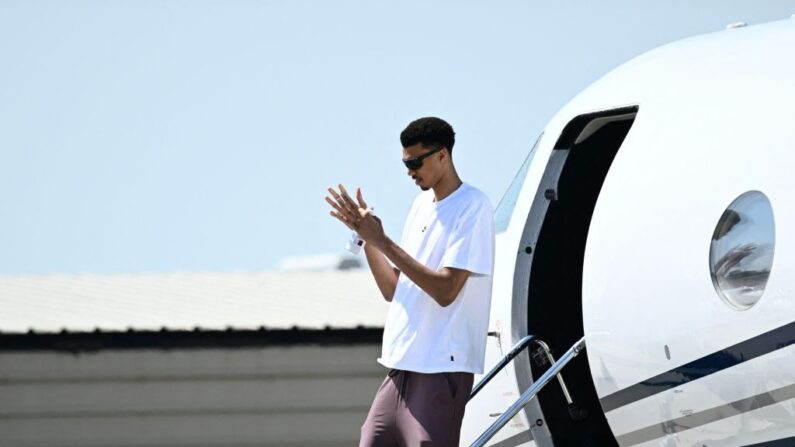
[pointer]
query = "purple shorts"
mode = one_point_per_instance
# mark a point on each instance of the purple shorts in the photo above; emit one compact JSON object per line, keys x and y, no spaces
{"x":413,"y":409}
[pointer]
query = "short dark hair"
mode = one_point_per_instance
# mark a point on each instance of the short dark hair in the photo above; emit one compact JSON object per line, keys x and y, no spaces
{"x":431,"y":132}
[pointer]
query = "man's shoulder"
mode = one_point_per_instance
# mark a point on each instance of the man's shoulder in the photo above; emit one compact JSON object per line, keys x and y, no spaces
{"x":475,"y":192}
{"x":476,"y":198}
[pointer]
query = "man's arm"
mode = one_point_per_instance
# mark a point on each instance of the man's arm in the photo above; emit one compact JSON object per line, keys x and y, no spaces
{"x":385,"y":275}
{"x":443,"y":285}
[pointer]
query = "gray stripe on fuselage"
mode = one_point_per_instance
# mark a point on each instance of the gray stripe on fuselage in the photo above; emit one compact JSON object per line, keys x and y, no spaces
{"x":707,"y":416}
{"x":517,"y":439}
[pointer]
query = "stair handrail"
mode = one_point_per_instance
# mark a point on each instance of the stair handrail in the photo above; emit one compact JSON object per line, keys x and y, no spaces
{"x":518,"y":348}
{"x":529,"y":393}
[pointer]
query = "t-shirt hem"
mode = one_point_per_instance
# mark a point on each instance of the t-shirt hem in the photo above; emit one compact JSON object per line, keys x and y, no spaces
{"x":432,"y":369}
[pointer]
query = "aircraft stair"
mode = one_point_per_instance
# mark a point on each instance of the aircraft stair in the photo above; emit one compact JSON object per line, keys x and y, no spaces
{"x":532,"y":391}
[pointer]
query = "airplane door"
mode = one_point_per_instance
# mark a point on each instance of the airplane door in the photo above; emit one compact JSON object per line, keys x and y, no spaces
{"x":548,"y":275}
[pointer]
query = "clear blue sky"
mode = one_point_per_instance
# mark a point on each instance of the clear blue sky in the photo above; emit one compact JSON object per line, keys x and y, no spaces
{"x":201,"y":135}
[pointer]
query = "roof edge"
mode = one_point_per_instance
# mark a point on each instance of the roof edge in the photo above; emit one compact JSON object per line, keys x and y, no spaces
{"x":165,"y":339}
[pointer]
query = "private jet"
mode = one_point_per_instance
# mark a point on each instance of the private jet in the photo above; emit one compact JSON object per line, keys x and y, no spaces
{"x":644,"y":290}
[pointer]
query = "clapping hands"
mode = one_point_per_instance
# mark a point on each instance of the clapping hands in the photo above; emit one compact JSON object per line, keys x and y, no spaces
{"x":356,"y":215}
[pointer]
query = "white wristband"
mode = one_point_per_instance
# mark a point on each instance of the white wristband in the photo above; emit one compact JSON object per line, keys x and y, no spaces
{"x":355,"y":243}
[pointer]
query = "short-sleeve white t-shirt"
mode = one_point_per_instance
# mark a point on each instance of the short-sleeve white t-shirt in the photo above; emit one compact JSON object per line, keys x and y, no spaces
{"x":419,"y":334}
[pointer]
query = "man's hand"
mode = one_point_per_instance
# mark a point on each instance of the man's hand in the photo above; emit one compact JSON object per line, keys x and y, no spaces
{"x":356,"y":215}
{"x":442,"y":286}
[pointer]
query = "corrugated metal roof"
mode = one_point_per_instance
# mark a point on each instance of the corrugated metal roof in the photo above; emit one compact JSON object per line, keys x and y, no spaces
{"x":187,"y":301}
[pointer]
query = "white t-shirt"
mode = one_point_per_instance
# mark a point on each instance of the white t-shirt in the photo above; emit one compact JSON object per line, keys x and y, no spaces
{"x":420,"y":335}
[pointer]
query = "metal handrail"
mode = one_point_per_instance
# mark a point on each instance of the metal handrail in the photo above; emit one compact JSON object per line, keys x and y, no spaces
{"x":530,"y":393}
{"x":562,"y":383}
{"x":519,"y":347}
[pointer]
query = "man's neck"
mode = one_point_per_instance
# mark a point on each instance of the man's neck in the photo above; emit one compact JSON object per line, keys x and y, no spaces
{"x":446,"y":186}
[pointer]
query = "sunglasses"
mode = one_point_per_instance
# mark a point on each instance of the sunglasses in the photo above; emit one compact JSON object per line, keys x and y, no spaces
{"x":416,"y":162}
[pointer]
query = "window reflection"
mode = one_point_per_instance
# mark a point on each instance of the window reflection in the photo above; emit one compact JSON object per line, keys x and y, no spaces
{"x":741,"y":253}
{"x":502,"y":215}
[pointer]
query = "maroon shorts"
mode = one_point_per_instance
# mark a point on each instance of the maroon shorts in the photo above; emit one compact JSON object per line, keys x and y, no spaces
{"x":413,"y":409}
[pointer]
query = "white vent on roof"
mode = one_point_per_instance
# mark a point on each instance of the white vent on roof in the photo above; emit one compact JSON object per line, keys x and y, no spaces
{"x":737,"y":25}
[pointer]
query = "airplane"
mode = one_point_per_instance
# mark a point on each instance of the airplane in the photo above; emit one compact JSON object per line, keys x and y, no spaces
{"x":646,"y":231}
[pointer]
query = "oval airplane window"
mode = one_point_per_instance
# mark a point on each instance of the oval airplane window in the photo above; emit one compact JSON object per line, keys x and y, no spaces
{"x":741,"y":252}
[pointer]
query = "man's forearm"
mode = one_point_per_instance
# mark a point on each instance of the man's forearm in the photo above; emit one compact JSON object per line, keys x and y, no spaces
{"x":385,"y":276}
{"x":440,"y":286}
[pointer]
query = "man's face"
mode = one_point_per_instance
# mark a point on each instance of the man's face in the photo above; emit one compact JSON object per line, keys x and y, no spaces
{"x":428,"y":174}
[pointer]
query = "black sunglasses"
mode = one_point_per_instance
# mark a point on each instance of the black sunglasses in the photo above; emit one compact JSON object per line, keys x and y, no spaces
{"x":416,"y":162}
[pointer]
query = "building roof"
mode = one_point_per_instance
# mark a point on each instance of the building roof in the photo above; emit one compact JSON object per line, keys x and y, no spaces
{"x":190,"y":301}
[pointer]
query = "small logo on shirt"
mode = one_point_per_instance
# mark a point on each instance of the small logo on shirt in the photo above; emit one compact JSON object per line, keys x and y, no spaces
{"x":452,"y":359}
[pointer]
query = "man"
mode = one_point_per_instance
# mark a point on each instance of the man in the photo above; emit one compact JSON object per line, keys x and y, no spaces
{"x":438,"y":281}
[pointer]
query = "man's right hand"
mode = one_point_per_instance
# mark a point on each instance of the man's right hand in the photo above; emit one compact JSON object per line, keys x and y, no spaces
{"x":356,"y":216}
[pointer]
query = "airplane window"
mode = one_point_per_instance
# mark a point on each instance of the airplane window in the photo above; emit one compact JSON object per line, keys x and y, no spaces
{"x":502,"y":215}
{"x":741,"y":252}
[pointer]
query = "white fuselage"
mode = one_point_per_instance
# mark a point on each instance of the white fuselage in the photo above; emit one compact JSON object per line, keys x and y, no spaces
{"x":672,"y":364}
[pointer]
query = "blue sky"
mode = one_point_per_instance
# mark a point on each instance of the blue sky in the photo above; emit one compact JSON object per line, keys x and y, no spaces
{"x":201,"y":135}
